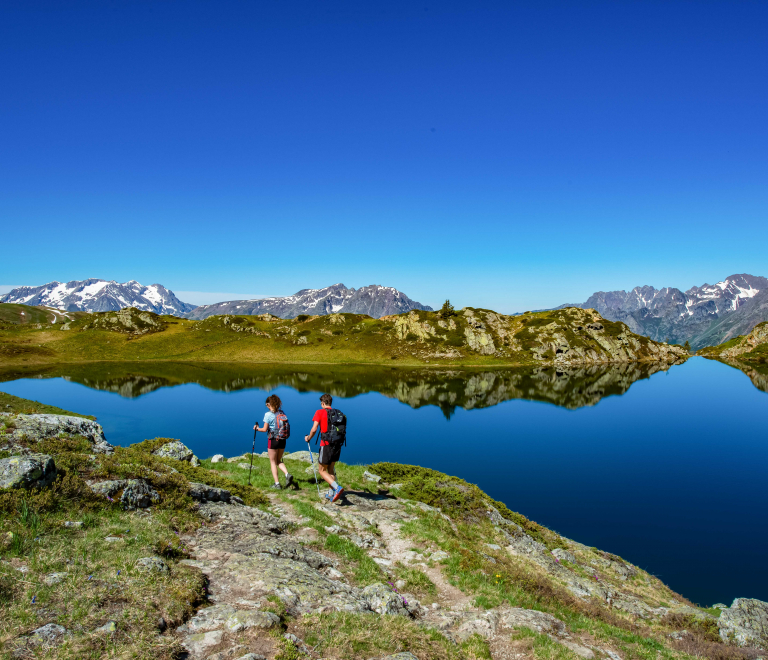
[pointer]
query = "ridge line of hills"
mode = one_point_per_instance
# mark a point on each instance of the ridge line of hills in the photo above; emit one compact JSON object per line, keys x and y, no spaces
{"x":705,"y":315}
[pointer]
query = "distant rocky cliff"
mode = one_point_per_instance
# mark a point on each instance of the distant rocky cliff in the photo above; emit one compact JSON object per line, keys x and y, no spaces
{"x":374,"y":300}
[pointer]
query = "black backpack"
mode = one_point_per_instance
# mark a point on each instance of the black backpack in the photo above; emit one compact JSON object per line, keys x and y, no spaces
{"x":337,"y":428}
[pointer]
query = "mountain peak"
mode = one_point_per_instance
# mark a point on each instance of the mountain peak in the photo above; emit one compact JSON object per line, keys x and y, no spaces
{"x":373,"y":300}
{"x":96,"y":295}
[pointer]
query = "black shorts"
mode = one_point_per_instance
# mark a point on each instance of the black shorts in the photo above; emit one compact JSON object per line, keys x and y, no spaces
{"x":274,"y":443}
{"x":329,"y":454}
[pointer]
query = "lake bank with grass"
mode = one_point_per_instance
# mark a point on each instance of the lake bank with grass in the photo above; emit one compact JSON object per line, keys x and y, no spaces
{"x":130,"y":551}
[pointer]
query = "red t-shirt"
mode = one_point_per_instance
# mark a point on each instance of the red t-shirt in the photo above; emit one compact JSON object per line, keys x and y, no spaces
{"x":322,"y":417}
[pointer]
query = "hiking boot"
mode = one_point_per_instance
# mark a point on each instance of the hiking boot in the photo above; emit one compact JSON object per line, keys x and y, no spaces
{"x":288,"y":479}
{"x":337,"y":493}
{"x":328,"y":495}
{"x":276,"y":487}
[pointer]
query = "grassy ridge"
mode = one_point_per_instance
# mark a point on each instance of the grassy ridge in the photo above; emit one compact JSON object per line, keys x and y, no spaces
{"x":472,"y":337}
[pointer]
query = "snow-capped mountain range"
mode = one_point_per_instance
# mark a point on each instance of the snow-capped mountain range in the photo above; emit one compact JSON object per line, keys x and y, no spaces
{"x":373,"y":300}
{"x":94,"y":295}
{"x":703,"y":315}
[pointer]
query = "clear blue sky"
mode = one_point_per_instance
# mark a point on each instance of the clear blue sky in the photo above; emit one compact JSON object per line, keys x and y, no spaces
{"x":505,"y":155}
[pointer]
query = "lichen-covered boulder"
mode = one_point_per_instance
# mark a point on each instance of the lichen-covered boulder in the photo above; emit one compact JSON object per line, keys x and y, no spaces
{"x":745,"y":623}
{"x":217,"y":458}
{"x":108,"y":488}
{"x":178,"y":451}
{"x":381,"y":599}
{"x":43,"y":427}
{"x":33,"y":471}
{"x":205,"y":493}
{"x":138,"y":494}
{"x":48,"y":635}
{"x":244,"y":619}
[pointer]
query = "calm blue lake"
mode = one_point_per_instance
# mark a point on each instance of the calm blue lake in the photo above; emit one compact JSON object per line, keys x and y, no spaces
{"x":664,"y":469}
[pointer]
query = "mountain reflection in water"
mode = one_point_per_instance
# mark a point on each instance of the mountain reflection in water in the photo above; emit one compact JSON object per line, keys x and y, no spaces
{"x":447,"y":389}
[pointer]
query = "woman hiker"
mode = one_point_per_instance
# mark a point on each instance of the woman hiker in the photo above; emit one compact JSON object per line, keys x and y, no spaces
{"x":275,"y":446}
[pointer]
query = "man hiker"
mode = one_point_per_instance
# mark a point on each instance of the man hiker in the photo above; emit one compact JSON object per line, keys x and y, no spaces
{"x":330,"y":451}
{"x":277,"y":427}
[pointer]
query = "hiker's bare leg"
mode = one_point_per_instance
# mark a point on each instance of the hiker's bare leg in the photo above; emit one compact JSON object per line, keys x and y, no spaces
{"x":275,"y":458}
{"x":327,"y":473}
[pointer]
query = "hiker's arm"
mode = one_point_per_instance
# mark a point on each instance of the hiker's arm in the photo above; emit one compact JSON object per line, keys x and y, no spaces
{"x":311,"y":433}
{"x":258,"y":428}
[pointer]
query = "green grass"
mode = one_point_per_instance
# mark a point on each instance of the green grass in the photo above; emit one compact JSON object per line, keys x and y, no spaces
{"x":23,"y":314}
{"x":15,"y":404}
{"x":334,"y":339}
{"x":352,"y":636}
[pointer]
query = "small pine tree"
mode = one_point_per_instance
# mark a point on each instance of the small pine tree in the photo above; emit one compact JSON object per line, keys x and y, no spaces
{"x":447,"y":310}
{"x":687,"y":346}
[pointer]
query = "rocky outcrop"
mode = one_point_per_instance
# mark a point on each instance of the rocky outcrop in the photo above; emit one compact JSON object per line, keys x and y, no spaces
{"x":130,"y":321}
{"x":133,"y":493}
{"x":178,"y":451}
{"x":758,"y":336}
{"x":32,"y":471}
{"x":44,"y":427}
{"x":205,"y":493}
{"x":745,"y":623}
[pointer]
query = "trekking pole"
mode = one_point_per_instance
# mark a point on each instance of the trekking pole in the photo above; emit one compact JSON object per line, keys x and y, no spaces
{"x":311,"y":458}
{"x":253,"y":449}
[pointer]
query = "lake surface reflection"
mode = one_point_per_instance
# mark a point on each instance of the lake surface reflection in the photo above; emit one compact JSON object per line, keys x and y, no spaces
{"x":665,"y":468}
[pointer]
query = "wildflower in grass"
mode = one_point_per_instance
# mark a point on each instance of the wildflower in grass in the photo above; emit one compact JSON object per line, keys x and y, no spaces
{"x":34,"y":598}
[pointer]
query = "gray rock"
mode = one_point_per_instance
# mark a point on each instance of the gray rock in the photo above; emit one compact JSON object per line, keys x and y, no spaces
{"x":541,"y":622}
{"x":48,"y":635}
{"x":138,"y":494}
{"x":107,"y":629}
{"x":439,"y":556}
{"x":205,"y":493}
{"x":383,"y":600}
{"x":300,"y":456}
{"x":483,"y":625}
{"x":108,"y":488}
{"x":33,"y":471}
{"x":252,"y":656}
{"x":210,"y":618}
{"x":178,"y":451}
{"x":151,"y":565}
{"x":54,"y":578}
{"x":199,"y":643}
{"x":73,"y":524}
{"x":406,"y":655}
{"x":745,"y":623}
{"x":578,"y":649}
{"x":493,"y":546}
{"x":634,"y":606}
{"x":44,"y":426}
{"x":564,"y":555}
{"x":369,"y":476}
{"x":243,"y":619}
{"x":217,"y":458}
